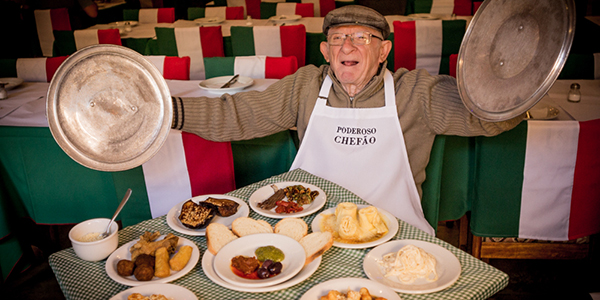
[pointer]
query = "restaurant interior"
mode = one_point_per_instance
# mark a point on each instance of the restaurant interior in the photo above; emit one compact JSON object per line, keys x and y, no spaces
{"x":45,"y":192}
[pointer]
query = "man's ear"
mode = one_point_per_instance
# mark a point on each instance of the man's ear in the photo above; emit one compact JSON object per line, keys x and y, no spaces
{"x":325,"y":50}
{"x":386,"y":47}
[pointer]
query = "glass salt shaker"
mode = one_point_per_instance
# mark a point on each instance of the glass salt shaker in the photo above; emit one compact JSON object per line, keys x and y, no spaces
{"x":574,"y":93}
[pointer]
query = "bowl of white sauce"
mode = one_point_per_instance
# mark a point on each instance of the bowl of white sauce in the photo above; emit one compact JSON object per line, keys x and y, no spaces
{"x":86,"y":240}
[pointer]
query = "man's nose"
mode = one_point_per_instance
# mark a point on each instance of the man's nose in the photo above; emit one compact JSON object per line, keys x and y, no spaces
{"x":348,"y":44}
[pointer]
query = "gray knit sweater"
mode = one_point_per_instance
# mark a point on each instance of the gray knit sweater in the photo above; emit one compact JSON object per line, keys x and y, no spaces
{"x":427,"y":106}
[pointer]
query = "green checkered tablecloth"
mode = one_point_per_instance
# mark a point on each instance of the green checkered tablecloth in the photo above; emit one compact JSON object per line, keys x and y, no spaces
{"x":80,"y":279}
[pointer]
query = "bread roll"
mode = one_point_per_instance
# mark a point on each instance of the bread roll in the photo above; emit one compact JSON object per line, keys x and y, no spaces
{"x":315,"y":244}
{"x":217,"y":236}
{"x":246,"y":226}
{"x":293,"y":227}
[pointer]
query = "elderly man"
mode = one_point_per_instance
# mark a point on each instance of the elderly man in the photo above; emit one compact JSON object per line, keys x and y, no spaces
{"x":360,"y":126}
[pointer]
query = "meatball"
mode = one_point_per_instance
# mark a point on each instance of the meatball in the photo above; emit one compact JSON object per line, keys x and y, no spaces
{"x":125,"y":267}
{"x":143,"y":272}
{"x":144,"y":259}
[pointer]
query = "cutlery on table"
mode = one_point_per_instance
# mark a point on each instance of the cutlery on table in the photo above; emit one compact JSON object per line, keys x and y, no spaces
{"x":231,"y":81}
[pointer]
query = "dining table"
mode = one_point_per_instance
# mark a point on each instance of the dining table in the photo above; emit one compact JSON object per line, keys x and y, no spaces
{"x":81,"y":279}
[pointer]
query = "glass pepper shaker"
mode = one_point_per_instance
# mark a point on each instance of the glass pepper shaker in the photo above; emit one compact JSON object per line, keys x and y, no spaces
{"x":574,"y":93}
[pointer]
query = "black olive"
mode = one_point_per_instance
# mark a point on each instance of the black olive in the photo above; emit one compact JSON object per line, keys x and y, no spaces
{"x":267,"y":263}
{"x":262,"y":273}
{"x":275,"y":268}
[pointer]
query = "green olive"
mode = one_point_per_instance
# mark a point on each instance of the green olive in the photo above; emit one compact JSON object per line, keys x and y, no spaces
{"x":269,"y":252}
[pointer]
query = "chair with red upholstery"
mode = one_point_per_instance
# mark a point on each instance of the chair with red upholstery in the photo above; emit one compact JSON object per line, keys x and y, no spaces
{"x":38,"y":69}
{"x":251,"y":66}
{"x":196,"y":42}
{"x":251,"y":7}
{"x":275,"y":41}
{"x":150,"y":15}
{"x":68,"y":42}
{"x":427,"y":44}
{"x":171,"y":67}
{"x":47,"y":21}
{"x":270,"y":9}
{"x":321,"y":7}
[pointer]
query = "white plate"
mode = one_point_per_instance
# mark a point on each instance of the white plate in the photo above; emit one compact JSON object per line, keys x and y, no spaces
{"x":389,"y":219}
{"x":168,"y":290}
{"x":285,"y":18}
{"x":424,"y":17}
{"x":215,"y":84}
{"x":123,"y":253}
{"x":267,"y":191}
{"x":13,"y":82}
{"x":448,"y":267}
{"x":343,"y":284}
{"x":209,"y":271}
{"x":124,"y":23}
{"x":208,"y":21}
{"x":543,"y":112}
{"x":292,"y":263}
{"x":175,"y":224}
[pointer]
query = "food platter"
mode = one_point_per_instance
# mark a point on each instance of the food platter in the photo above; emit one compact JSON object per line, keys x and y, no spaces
{"x":343,"y":284}
{"x":389,"y":219}
{"x":209,"y":21}
{"x":448,"y":267}
{"x":123,"y":253}
{"x":543,"y":112}
{"x":266,"y":191}
{"x":209,"y":271}
{"x":175,"y":224}
{"x":124,"y":23}
{"x":11,"y":82}
{"x":292,"y":263}
{"x":168,"y":290}
{"x":285,"y":18}
{"x":214,"y":84}
{"x":424,"y":17}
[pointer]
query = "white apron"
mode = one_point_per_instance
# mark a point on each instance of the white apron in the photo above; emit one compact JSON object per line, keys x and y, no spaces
{"x":363,"y":150}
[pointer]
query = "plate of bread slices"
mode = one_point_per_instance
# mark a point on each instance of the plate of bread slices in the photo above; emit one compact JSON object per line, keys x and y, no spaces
{"x":356,"y":226}
{"x":288,"y":231}
{"x":193,"y":215}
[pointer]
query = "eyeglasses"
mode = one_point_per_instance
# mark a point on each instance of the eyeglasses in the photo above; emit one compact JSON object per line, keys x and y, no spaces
{"x":357,"y":38}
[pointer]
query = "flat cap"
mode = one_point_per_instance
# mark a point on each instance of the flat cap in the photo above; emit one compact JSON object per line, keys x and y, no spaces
{"x":356,"y":15}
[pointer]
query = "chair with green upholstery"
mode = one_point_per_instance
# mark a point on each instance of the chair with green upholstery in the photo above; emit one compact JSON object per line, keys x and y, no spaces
{"x":225,"y":13}
{"x":457,"y":7}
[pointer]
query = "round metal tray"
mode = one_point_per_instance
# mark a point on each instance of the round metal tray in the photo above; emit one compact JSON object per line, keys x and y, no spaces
{"x":512,"y":53}
{"x":109,"y":108}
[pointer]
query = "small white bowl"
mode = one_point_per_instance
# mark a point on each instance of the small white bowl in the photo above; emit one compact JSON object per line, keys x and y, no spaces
{"x":94,"y":250}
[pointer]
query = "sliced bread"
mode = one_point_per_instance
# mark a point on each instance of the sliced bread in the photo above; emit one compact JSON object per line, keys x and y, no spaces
{"x":217,"y":236}
{"x":293,"y":227}
{"x":246,"y":226}
{"x":315,"y":244}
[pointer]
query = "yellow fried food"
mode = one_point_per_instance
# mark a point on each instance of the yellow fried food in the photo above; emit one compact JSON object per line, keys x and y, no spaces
{"x":161,"y":265}
{"x":148,"y":244}
{"x":181,"y":258}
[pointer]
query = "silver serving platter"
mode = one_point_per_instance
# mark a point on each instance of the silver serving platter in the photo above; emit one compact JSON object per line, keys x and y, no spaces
{"x":512,"y":53}
{"x":109,"y":108}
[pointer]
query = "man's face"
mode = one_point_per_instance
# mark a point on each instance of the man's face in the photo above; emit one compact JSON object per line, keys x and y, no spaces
{"x":355,"y":65}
